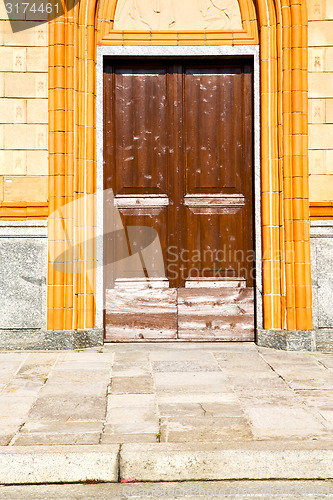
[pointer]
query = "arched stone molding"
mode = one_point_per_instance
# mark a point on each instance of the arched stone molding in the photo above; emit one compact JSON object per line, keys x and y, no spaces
{"x":282,"y":28}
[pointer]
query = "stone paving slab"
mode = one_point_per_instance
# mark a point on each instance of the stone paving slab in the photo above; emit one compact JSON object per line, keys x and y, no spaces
{"x":167,"y":412}
{"x":165,"y":392}
{"x":204,"y":429}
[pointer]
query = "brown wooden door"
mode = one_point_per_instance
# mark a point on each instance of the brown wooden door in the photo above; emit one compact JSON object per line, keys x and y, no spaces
{"x":178,"y":178}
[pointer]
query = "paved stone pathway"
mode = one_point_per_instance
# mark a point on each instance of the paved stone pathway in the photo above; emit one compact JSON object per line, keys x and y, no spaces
{"x":165,"y":392}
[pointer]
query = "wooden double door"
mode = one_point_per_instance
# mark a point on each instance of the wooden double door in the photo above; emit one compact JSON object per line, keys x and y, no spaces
{"x":178,"y":213}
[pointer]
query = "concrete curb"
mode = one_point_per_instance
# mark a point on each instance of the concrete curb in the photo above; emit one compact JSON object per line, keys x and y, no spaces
{"x":165,"y":462}
{"x":58,"y":464}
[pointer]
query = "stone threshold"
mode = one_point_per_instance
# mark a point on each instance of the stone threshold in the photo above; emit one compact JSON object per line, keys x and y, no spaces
{"x":280,"y":460}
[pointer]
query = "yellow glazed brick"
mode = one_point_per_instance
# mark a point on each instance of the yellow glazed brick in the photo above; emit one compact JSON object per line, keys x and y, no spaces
{"x":3,"y":12}
{"x":19,"y":59}
{"x":321,"y":187}
{"x":6,"y":59}
{"x":41,"y":84}
{"x":316,"y":59}
{"x":7,"y":110}
{"x":41,"y":35}
{"x":1,"y":188}
{"x":37,"y":59}
{"x":25,"y":37}
{"x":329,"y":9}
{"x":41,"y":136}
{"x":320,"y":85}
{"x":13,"y":162}
{"x":19,"y":163}
{"x":316,"y":9}
{"x":25,"y":85}
{"x":329,"y":59}
{"x":320,"y":136}
{"x":1,"y":136}
{"x":317,"y":162}
{"x":2,"y":85}
{"x":26,"y":189}
{"x":2,"y":24}
{"x":12,"y":110}
{"x":20,"y":111}
{"x":37,"y":163}
{"x":32,"y":34}
{"x":19,"y":85}
{"x":320,"y":33}
{"x":329,"y":110}
{"x":316,"y":110}
{"x":21,"y":136}
{"x":37,"y":111}
{"x":329,"y":162}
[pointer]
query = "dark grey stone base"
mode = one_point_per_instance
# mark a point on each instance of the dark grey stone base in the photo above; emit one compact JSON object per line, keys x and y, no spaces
{"x":33,"y":340}
{"x":294,"y":340}
{"x":317,"y":340}
{"x":36,"y":340}
{"x":324,"y":340}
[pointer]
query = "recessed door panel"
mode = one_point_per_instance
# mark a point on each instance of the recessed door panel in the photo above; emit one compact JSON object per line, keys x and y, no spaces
{"x":211,"y":102}
{"x":140,"y":132}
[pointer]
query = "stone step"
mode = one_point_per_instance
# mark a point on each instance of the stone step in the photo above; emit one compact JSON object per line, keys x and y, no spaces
{"x":261,"y":460}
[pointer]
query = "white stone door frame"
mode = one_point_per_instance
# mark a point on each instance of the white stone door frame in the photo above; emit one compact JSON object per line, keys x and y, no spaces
{"x":218,"y":52}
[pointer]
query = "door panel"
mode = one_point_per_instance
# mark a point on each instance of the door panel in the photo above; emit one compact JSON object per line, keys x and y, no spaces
{"x":224,"y":313}
{"x":136,"y":169}
{"x":140,"y":131}
{"x":138,"y":313}
{"x":211,"y":145}
{"x":178,"y":157}
{"x":215,"y":132}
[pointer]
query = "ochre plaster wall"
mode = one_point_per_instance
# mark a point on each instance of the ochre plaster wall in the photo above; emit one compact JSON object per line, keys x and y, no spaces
{"x":23,"y":119}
